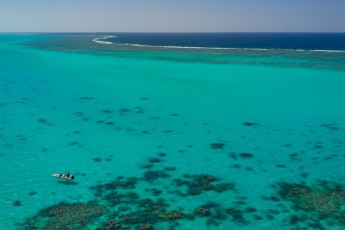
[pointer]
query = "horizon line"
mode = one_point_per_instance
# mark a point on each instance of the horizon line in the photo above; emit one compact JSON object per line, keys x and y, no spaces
{"x":166,"y":32}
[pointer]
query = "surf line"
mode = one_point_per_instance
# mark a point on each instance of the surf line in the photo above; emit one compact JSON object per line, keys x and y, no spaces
{"x":100,"y":40}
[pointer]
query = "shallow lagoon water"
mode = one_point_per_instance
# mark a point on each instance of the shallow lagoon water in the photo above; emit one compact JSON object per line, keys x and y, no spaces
{"x":173,"y":124}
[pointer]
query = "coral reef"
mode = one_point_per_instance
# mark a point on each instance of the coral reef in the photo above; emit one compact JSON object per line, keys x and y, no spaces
{"x":65,"y":216}
{"x":197,"y":184}
{"x":154,"y":175}
{"x":217,"y":145}
{"x":322,"y":201}
{"x":139,"y":203}
{"x":314,"y":204}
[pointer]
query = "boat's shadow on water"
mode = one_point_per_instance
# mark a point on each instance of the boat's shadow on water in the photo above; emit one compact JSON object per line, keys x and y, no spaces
{"x":68,"y":182}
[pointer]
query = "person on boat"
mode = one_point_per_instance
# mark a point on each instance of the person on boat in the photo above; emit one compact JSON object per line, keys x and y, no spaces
{"x":67,"y":174}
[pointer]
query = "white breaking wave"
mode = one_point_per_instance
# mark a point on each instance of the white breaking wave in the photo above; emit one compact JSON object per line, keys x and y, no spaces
{"x":188,"y":47}
{"x":99,"y":40}
{"x":329,"y":51}
{"x":223,"y":48}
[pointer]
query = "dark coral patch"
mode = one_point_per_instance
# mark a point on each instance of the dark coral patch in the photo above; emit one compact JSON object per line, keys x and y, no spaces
{"x":222,"y":187}
{"x":96,"y":159}
{"x":170,"y":168}
{"x":280,"y":166}
{"x":202,"y":211}
{"x":146,"y":166}
{"x":217,"y":145}
{"x":257,"y":217}
{"x":73,"y":143}
{"x":44,"y":150}
{"x":331,"y":127}
{"x":289,"y":190}
{"x":162,"y":154}
{"x":233,"y":155}
{"x":128,"y":183}
{"x":236,"y":166}
{"x":250,"y":124}
{"x":107,"y":111}
{"x":154,"y":175}
{"x":42,"y":120}
{"x":198,"y":184}
{"x":156,"y":192}
{"x":154,"y":160}
{"x":123,"y":110}
{"x":250,"y":210}
{"x":246,"y":155}
{"x":17,"y":203}
{"x":237,"y":215}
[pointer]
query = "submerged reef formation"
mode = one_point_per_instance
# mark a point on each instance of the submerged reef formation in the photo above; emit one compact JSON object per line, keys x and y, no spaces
{"x":217,"y":145}
{"x":141,"y":203}
{"x":197,"y":184}
{"x":135,"y":210}
{"x":314,"y":206}
{"x":65,"y":216}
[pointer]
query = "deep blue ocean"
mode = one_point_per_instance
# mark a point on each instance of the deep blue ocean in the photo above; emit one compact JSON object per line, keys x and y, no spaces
{"x":304,"y":41}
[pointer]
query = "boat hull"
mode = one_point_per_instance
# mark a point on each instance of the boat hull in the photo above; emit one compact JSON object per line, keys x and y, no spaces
{"x":61,"y":176}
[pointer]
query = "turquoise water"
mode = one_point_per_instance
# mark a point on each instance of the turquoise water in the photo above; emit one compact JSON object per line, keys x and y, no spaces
{"x":223,"y":137}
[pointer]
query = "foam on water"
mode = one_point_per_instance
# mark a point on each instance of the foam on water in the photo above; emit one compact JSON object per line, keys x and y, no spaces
{"x":100,"y":40}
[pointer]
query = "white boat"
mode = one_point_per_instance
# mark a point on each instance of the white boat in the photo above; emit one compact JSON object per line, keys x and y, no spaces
{"x":63,"y":176}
